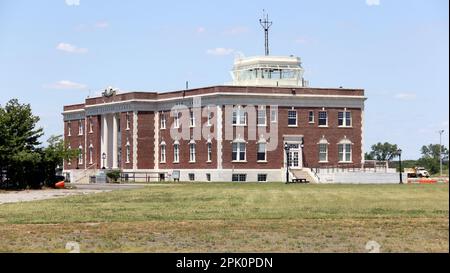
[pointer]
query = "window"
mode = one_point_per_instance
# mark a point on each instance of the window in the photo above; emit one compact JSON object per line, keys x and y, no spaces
{"x":192,"y":152}
{"x":345,"y":119}
{"x":191,"y":177}
{"x":69,"y":129}
{"x":292,"y":118}
{"x":163,"y":121}
{"x":80,"y":127}
{"x":192,"y":118}
{"x":128,"y":121}
{"x":345,"y":152}
{"x":91,"y":154}
{"x":210,"y":117}
{"x":128,"y":152}
{"x":177,"y":120}
{"x":262,"y":177}
{"x":323,"y":152}
{"x":176,"y":153}
{"x":91,"y":125}
{"x":80,"y":155}
{"x":261,"y":156}
{"x":208,"y":177}
{"x":262,"y":116}
{"x":69,"y":162}
{"x":238,"y":153}
{"x":311,"y":117}
{"x":323,"y":118}
{"x":209,"y":146}
{"x":273,"y":115}
{"x":239,"y":116}
{"x":239,"y":177}
{"x":163,"y":153}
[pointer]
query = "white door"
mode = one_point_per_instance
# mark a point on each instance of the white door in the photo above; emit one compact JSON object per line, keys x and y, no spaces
{"x":294,"y":156}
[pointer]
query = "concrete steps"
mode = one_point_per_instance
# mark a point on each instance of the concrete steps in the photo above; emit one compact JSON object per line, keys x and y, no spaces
{"x":304,"y":174}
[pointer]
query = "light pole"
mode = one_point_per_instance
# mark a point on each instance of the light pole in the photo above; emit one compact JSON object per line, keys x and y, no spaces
{"x":399,"y":152}
{"x":286,"y":148}
{"x":440,"y":150}
{"x":104,"y":157}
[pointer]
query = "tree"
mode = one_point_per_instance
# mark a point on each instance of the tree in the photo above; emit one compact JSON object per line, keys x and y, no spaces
{"x":431,"y":159}
{"x":383,"y":151}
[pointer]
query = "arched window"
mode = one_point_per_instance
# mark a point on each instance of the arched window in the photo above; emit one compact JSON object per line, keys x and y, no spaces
{"x":80,"y":155}
{"x":91,"y":154}
{"x":163,"y":152}
{"x":192,"y":151}
{"x":323,"y":150}
{"x":209,"y":148}
{"x":128,"y":152}
{"x":176,"y":152}
{"x":345,"y":150}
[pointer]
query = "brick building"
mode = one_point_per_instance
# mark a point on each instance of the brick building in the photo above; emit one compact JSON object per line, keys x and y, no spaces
{"x":252,"y":129}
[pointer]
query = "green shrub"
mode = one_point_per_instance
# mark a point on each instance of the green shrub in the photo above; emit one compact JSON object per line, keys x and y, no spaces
{"x":113,"y":176}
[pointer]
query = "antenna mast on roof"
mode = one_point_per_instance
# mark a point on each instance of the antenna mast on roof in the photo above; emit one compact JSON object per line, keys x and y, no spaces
{"x":266,"y":24}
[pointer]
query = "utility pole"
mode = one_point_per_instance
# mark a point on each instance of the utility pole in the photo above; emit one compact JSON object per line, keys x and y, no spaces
{"x":266,"y":24}
{"x":440,"y":150}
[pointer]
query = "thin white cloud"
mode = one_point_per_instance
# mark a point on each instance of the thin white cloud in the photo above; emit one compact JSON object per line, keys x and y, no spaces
{"x":406,"y":96}
{"x":301,"y":40}
{"x":66,"y":85}
{"x":66,"y":47}
{"x":102,"y":24}
{"x":373,"y":2}
{"x":220,"y":51}
{"x":72,"y":2}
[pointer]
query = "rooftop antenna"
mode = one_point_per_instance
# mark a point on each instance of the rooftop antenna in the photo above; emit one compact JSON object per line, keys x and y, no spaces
{"x":266,"y":24}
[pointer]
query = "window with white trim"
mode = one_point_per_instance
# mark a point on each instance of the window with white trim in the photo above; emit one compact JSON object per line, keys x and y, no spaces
{"x":128,"y":152}
{"x":80,"y":155}
{"x":163,"y":153}
{"x":261,"y":152}
{"x":262,"y":116}
{"x":311,"y":117}
{"x":176,"y":120}
{"x":69,"y":129}
{"x":191,"y":177}
{"x":323,"y":118}
{"x":345,"y":119}
{"x":273,"y":115}
{"x":209,"y":147}
{"x":91,"y":125}
{"x":192,"y":118}
{"x":239,"y":116}
{"x":91,"y":154}
{"x":238,"y":151}
{"x":192,"y":152}
{"x":210,"y":117}
{"x":239,"y":177}
{"x":323,"y":152}
{"x":176,"y":153}
{"x":128,"y":121}
{"x":80,"y":127}
{"x":345,"y":152}
{"x":292,"y":118}
{"x":262,"y":177}
{"x":163,"y":121}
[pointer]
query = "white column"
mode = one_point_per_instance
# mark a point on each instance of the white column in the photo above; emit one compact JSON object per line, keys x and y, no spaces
{"x":115,"y":141}
{"x":135,"y":140}
{"x":156,"y":142}
{"x":218,"y":128}
{"x":104,"y":149}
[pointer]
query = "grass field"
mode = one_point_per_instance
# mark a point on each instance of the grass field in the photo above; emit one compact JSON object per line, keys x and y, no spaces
{"x":235,"y":218}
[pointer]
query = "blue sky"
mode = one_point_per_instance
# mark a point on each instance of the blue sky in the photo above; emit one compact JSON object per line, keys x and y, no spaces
{"x":57,"y":52}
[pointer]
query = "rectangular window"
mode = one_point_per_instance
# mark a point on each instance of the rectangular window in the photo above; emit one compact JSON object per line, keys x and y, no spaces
{"x":262,"y":116}
{"x":323,"y":118}
{"x":209,"y":151}
{"x":239,"y":177}
{"x":210,"y":117}
{"x":128,"y":121}
{"x":238,"y":153}
{"x":91,"y":125}
{"x":191,"y":177}
{"x":163,"y":121}
{"x":163,"y":154}
{"x":345,"y":119}
{"x":192,"y":118}
{"x":323,"y":152}
{"x":262,"y":177}
{"x":192,"y":152}
{"x":177,"y":120}
{"x":261,"y":156}
{"x":80,"y":155}
{"x":311,"y":117}
{"x":80,"y":127}
{"x":239,"y":116}
{"x":176,"y":153}
{"x":128,"y":152}
{"x":345,"y":152}
{"x":91,"y":154}
{"x":208,"y":177}
{"x":273,"y":115}
{"x":69,"y":129}
{"x":292,"y":118}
